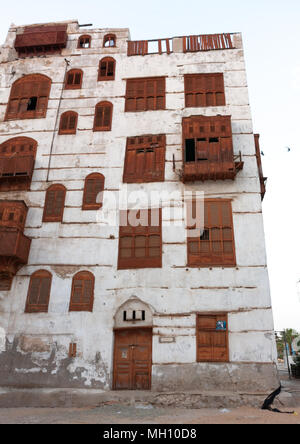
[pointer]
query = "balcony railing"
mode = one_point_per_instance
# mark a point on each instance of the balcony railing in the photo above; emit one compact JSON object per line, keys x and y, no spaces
{"x":180,"y":44}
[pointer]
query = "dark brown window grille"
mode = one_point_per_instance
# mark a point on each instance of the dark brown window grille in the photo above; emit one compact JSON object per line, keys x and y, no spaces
{"x":145,"y":159}
{"x":39,"y":292}
{"x":93,"y":192}
{"x":215,"y":245}
{"x":103,"y":116}
{"x":74,"y":79}
{"x":29,"y":98}
{"x":202,"y":90}
{"x":68,"y":123}
{"x":82,"y":297}
{"x":54,"y":204}
{"x":140,"y":246}
{"x":146,"y":94}
{"x":107,"y":67}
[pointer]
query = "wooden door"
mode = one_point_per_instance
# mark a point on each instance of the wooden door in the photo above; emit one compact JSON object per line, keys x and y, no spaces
{"x":133,"y":359}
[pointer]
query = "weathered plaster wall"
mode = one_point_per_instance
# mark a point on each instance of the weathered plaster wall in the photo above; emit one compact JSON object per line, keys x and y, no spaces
{"x":36,"y":351}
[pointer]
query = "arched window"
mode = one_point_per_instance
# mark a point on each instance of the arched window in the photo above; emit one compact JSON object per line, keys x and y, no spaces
{"x":107,"y":68}
{"x":68,"y":123}
{"x":29,"y":98}
{"x":93,"y":192}
{"x":103,"y":116}
{"x":109,"y":41}
{"x":74,"y":79}
{"x":84,"y":42}
{"x":82,"y":296}
{"x":17,"y":158}
{"x":54,"y":204}
{"x":39,"y":292}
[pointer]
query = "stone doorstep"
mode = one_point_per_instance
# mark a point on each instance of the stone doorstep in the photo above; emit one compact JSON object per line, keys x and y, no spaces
{"x":72,"y":398}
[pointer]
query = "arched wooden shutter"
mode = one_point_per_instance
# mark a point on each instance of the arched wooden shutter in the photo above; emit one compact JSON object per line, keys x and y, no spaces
{"x":94,"y":184}
{"x":103,"y":116}
{"x":54,"y":204}
{"x":107,"y":69}
{"x":74,"y":79}
{"x":68,"y":123}
{"x":84,"y":42}
{"x":82,"y":296}
{"x":109,"y":41}
{"x":29,"y":98}
{"x":39,"y":292}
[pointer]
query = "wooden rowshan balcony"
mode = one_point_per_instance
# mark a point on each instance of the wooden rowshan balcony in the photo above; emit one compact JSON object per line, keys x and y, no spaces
{"x":14,"y":245}
{"x":16,"y":172}
{"x":43,"y":39}
{"x":213,"y":169}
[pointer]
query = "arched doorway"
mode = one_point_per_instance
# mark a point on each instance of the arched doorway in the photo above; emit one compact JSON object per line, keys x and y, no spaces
{"x":133,"y":346}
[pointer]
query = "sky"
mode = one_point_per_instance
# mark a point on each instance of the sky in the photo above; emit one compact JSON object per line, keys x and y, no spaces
{"x":271,"y":31}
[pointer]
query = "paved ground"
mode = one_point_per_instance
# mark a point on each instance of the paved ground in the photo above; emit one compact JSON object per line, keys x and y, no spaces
{"x":117,"y":414}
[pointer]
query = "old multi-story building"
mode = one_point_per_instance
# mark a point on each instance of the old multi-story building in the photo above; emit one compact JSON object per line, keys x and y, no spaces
{"x":88,"y":117}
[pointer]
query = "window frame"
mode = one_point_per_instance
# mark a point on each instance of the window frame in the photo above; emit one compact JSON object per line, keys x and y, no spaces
{"x":109,"y":38}
{"x":195,"y":91}
{"x":140,"y":231}
{"x":107,"y":78}
{"x":68,"y":131}
{"x":211,"y":259}
{"x":58,"y":218}
{"x":93,"y":206}
{"x":142,"y":83}
{"x":73,"y":85}
{"x":103,"y":104}
{"x":84,"y":36}
{"x":38,"y":308}
{"x":22,"y":97}
{"x":216,"y":315}
{"x":79,"y":306}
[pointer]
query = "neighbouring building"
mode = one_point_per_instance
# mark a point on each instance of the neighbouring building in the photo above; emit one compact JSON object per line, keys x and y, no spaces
{"x":84,"y":302}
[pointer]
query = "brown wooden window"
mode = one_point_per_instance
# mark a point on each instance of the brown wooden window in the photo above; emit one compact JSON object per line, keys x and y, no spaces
{"x":103,"y":116}
{"x":39,"y":292}
{"x":107,"y":67}
{"x":140,"y":246}
{"x":93,"y":192}
{"x":68,"y":123}
{"x":146,"y":94}
{"x":204,"y":90}
{"x":213,"y":245}
{"x":82,"y":296}
{"x":212,"y":337}
{"x":29,"y":98}
{"x":17,"y":158}
{"x":109,"y":41}
{"x":54,"y":204}
{"x":145,"y":159}
{"x":74,"y":79}
{"x":84,"y":42}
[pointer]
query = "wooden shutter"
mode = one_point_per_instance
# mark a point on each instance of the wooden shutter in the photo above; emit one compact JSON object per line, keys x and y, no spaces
{"x":145,"y":94}
{"x":107,"y":69}
{"x":54,"y":204}
{"x":145,"y":159}
{"x":215,"y":245}
{"x":23,"y":91}
{"x":82,"y":296}
{"x":202,"y":90}
{"x":94,"y":184}
{"x":74,"y":79}
{"x":140,"y":246}
{"x":103,"y":116}
{"x":212,"y":337}
{"x":39,"y":292}
{"x":68,"y":123}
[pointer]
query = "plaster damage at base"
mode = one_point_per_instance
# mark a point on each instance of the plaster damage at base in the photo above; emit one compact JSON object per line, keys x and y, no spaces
{"x":35,"y":350}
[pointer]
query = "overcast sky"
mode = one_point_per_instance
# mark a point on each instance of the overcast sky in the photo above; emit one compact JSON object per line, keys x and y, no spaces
{"x":271,"y":31}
